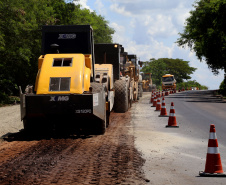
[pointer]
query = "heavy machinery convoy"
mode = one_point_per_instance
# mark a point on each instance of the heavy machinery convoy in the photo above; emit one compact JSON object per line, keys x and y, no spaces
{"x":109,"y":54}
{"x":77,"y":84}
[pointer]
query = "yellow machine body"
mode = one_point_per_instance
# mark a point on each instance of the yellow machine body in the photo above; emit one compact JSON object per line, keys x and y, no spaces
{"x":78,"y":70}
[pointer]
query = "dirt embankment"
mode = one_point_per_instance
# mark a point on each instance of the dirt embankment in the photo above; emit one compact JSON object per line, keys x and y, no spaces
{"x":106,"y":159}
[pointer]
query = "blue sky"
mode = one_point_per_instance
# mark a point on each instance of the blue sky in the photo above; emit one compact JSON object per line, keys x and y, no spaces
{"x":149,"y":29}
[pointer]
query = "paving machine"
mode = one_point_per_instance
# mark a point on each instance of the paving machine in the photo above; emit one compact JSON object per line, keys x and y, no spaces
{"x":66,"y":95}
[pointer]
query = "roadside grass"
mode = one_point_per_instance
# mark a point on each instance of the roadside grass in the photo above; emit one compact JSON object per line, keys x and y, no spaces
{"x":12,"y":100}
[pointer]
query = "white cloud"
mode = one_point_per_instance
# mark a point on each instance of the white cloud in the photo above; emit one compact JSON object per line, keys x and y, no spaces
{"x":137,"y":7}
{"x":120,"y":10}
{"x":144,"y":51}
{"x":149,"y":29}
{"x":100,"y":7}
{"x":118,"y":37}
{"x":83,"y":4}
{"x":161,"y":25}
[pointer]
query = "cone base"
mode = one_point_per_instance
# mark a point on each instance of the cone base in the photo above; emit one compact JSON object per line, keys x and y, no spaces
{"x":203,"y":174}
{"x":153,"y":106}
{"x":157,"y":110}
{"x":167,"y":126}
{"x":163,"y":116}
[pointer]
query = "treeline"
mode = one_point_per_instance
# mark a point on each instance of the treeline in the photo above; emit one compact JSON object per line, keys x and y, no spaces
{"x":159,"y":67}
{"x":191,"y":83}
{"x":178,"y":67}
{"x":20,"y":36}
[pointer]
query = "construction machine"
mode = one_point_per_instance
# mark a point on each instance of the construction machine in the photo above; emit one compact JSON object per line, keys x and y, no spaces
{"x":147,"y":82}
{"x":107,"y":56}
{"x":140,"y":88}
{"x":131,"y":69}
{"x":168,"y":82}
{"x":66,"y":95}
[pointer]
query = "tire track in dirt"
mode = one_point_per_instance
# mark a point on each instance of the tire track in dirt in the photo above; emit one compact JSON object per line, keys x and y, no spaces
{"x":105,"y":159}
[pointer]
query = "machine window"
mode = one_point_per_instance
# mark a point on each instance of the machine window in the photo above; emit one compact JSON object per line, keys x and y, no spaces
{"x":60,"y":84}
{"x":65,"y":84}
{"x":59,"y":62}
{"x":167,"y":79}
{"x":67,"y":62}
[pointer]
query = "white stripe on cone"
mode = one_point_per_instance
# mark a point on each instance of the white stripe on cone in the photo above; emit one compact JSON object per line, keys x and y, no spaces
{"x":213,"y":150}
{"x":171,"y":114}
{"x":213,"y":135}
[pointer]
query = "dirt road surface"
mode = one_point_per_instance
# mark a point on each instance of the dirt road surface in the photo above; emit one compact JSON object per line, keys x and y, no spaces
{"x":106,"y":159}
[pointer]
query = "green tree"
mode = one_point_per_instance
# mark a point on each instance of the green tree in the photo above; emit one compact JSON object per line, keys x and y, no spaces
{"x":222,"y":88}
{"x":20,"y":36}
{"x":179,"y":68}
{"x":205,"y":33}
{"x":20,"y":23}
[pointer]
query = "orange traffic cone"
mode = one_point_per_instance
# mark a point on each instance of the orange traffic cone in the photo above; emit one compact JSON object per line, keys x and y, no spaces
{"x":155,"y":100}
{"x":159,"y":94}
{"x":163,"y":94}
{"x":213,"y":159}
{"x":172,"y":122}
{"x":167,"y":93}
{"x":158,"y":105}
{"x":152,"y":97}
{"x":163,"y":112}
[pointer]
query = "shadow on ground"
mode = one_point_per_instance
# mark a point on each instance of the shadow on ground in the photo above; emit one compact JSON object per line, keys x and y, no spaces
{"x":199,"y":96}
{"x":23,"y":135}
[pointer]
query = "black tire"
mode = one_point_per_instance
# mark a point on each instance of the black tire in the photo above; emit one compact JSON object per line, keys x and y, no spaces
{"x":107,"y":118}
{"x":99,"y":127}
{"x":30,"y":125}
{"x":37,"y":125}
{"x":97,"y":87}
{"x":121,"y":96}
{"x":26,"y":124}
{"x":138,"y":97}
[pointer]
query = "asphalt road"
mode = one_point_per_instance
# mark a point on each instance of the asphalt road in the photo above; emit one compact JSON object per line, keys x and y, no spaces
{"x":196,"y":110}
{"x":176,"y":155}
